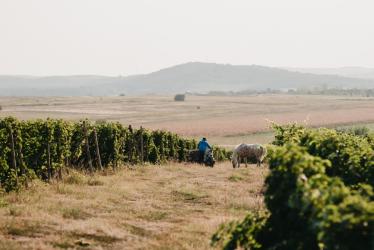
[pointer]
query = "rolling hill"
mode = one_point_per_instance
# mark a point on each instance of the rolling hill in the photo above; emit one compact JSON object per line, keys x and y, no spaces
{"x":192,"y":77}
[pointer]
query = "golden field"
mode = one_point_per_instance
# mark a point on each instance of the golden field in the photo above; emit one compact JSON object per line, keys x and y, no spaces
{"x":225,"y":120}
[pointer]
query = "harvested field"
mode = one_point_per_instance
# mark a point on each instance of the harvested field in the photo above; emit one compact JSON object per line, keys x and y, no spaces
{"x":216,"y":117}
{"x":177,"y":206}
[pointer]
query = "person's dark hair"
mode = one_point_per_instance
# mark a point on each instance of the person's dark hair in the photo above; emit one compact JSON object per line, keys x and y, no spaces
{"x":204,"y":139}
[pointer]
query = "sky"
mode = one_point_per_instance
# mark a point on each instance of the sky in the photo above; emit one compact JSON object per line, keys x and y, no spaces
{"x":125,"y":37}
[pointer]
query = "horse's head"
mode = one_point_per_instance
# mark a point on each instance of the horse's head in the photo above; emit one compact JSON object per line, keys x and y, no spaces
{"x":234,"y":160}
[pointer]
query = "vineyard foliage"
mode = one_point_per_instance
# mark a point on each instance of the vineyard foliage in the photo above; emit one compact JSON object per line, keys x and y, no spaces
{"x":319,"y":194}
{"x":42,"y":148}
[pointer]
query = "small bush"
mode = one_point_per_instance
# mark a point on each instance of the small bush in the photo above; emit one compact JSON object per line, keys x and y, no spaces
{"x":94,"y":182}
{"x":235,"y":178}
{"x":74,"y":213}
{"x":179,"y":98}
{"x":74,"y":178}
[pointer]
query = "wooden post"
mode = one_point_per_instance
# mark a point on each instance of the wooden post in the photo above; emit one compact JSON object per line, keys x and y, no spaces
{"x":68,"y":165}
{"x":97,"y":149}
{"x":20,"y":155}
{"x":14,"y":163}
{"x":20,"y":159}
{"x":49,"y":154}
{"x":60,"y":173}
{"x":60,"y":157}
{"x":141,"y":146}
{"x":130,"y":145}
{"x":87,"y":146}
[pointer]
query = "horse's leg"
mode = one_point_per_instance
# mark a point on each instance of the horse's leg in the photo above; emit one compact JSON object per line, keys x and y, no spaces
{"x":239,"y":162}
{"x":245,"y":161}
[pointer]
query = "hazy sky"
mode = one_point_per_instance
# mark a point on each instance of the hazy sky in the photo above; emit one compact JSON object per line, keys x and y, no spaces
{"x":44,"y":37}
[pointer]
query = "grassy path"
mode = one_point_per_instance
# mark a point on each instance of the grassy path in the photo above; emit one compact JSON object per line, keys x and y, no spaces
{"x":176,"y":206}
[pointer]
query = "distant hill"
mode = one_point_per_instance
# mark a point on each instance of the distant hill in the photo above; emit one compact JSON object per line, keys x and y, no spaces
{"x":193,"y":77}
{"x":355,"y":72}
{"x":75,"y":85}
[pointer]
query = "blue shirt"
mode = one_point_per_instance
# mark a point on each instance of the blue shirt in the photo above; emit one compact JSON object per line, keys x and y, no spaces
{"x":203,"y":145}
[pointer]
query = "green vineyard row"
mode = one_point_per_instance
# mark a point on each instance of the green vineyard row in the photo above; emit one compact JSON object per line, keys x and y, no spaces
{"x":319,"y":194}
{"x":42,"y":148}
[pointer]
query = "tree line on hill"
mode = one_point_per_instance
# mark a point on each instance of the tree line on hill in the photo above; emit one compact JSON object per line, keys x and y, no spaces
{"x":300,"y":91}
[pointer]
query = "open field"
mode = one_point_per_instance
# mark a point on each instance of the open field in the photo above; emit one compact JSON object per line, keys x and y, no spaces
{"x":225,"y":120}
{"x":176,"y":206}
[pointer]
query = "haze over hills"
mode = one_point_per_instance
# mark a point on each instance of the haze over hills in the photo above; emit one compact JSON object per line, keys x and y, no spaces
{"x":193,"y":77}
{"x":75,"y":85}
{"x":355,"y":72}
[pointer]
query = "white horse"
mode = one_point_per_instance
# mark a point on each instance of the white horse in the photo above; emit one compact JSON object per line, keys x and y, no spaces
{"x":243,"y":151}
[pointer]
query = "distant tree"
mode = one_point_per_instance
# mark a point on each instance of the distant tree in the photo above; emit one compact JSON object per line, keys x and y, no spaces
{"x":122,"y":94}
{"x":179,"y":97}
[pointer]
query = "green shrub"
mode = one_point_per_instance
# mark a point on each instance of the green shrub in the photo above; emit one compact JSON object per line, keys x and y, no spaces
{"x":352,"y":156}
{"x":319,"y":194}
{"x":241,"y":234}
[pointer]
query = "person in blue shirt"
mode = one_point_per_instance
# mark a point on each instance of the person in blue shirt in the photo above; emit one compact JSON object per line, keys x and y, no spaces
{"x":203,"y":146}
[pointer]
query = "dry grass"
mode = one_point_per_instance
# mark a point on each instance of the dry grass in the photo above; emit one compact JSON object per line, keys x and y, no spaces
{"x":177,"y":206}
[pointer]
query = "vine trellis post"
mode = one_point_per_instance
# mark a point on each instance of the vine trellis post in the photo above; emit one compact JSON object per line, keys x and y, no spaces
{"x":130,"y":144}
{"x":141,"y":146}
{"x":87,"y":146}
{"x":14,"y":163}
{"x":20,"y":158}
{"x":48,"y":152}
{"x":97,"y":150}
